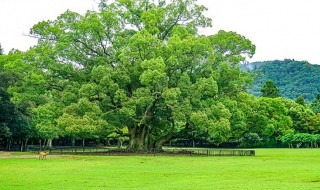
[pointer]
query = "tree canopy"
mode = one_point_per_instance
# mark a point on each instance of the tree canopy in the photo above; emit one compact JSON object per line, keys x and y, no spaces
{"x":139,"y":69}
{"x":270,"y":90}
{"x":135,"y":64}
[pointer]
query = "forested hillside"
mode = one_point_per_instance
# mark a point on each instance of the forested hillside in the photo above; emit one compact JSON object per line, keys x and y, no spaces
{"x":293,"y":78}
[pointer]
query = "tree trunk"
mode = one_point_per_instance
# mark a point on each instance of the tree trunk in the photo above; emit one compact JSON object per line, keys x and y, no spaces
{"x":9,"y":145}
{"x":159,"y":143}
{"x":49,"y":143}
{"x":151,"y":143}
{"x":137,"y":137}
{"x":83,"y":144}
{"x":21,"y":146}
{"x":148,"y":138}
{"x":26,"y":144}
{"x":132,"y":136}
{"x":73,"y":142}
{"x":298,"y":145}
{"x":120,"y":143}
{"x":44,"y":143}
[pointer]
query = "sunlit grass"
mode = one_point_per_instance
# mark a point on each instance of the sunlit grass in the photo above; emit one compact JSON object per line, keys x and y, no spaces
{"x":269,"y":169}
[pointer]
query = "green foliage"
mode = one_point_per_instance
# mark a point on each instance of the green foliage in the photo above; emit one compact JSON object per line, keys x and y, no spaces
{"x":300,"y":101}
{"x":293,"y":78}
{"x":295,"y":140}
{"x":134,"y":64}
{"x":249,"y":139}
{"x":272,"y":118}
{"x":142,"y":66}
{"x":83,"y":120}
{"x":230,"y":47}
{"x":14,"y":118}
{"x":304,"y":120}
{"x":270,"y":90}
{"x":44,"y":119}
{"x":315,"y":104}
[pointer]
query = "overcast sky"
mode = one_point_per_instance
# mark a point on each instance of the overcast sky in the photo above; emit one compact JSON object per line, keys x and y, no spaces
{"x":279,"y":28}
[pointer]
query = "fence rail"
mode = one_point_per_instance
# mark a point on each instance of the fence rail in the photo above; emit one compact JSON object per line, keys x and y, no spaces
{"x":221,"y":152}
{"x":165,"y":151}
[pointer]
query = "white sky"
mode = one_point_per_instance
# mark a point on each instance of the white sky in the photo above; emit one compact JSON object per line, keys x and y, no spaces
{"x":279,"y":28}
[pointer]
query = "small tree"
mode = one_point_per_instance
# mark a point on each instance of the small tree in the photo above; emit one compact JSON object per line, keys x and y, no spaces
{"x":250,"y":139}
{"x":83,"y":119}
{"x":315,"y":104}
{"x":270,"y":90}
{"x":288,"y":139}
{"x":300,"y":101}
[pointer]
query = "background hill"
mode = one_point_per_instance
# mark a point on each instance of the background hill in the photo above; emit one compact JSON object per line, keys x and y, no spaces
{"x":293,"y":78}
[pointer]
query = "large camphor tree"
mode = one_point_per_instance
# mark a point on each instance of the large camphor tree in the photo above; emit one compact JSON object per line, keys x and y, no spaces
{"x":136,"y":64}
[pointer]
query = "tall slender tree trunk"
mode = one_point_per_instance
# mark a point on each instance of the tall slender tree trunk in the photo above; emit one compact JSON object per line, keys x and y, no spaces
{"x":21,"y":146}
{"x":9,"y":145}
{"x":83,"y":144}
{"x":26,"y":144}
{"x":132,"y":136}
{"x":149,"y":139}
{"x":49,"y":143}
{"x":73,"y":142}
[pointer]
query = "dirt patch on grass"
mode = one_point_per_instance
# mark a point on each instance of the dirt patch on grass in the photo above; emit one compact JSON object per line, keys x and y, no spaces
{"x":4,"y":154}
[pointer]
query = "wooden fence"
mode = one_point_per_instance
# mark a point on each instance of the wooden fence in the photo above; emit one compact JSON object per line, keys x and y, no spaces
{"x":165,"y":151}
{"x":218,"y":152}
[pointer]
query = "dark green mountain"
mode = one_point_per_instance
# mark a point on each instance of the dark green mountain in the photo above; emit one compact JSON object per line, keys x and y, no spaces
{"x":293,"y":78}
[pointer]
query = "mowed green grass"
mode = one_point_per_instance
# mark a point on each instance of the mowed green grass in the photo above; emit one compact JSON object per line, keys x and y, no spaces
{"x":269,"y":169}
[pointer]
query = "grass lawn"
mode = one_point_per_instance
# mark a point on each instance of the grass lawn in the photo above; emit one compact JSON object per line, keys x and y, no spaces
{"x":269,"y":169}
